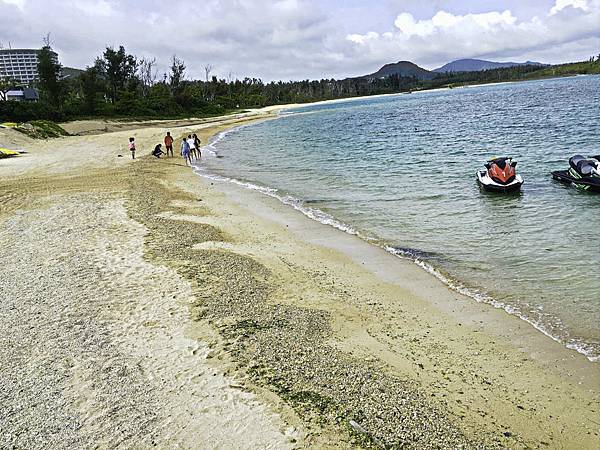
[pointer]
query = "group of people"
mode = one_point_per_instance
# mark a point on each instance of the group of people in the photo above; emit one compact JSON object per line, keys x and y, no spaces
{"x":190,"y":148}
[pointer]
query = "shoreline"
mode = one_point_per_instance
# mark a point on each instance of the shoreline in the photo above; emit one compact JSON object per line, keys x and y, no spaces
{"x":520,"y":336}
{"x":325,"y":218}
{"x":315,"y":318}
{"x":545,"y":342}
{"x":104,"y":125}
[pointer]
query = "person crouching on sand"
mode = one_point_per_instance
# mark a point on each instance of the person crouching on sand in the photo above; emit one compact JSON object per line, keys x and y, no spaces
{"x":132,"y":147}
{"x":192,"y":145}
{"x":185,"y":151}
{"x":169,"y":143}
{"x":158,"y":151}
{"x":197,"y":144}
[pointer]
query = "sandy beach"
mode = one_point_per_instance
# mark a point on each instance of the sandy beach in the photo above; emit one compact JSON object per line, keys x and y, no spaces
{"x":141,"y":304}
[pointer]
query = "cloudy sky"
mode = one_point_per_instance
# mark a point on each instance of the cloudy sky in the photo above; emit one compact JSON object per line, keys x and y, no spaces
{"x":298,"y":39}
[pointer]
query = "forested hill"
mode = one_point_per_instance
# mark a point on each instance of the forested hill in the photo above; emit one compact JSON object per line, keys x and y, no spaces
{"x":473,"y":65}
{"x":410,"y":69}
{"x":402,"y":69}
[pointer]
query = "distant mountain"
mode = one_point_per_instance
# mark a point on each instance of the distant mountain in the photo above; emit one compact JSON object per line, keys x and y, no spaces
{"x":409,"y":69}
{"x":403,"y":69}
{"x":475,"y":65}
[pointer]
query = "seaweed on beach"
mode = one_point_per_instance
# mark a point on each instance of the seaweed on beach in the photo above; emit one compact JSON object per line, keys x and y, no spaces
{"x":41,"y":129}
{"x":283,"y":347}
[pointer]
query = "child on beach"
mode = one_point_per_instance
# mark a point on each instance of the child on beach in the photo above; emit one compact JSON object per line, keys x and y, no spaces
{"x":197,"y":144}
{"x":132,"y":147}
{"x":192,"y":145}
{"x":169,"y":143}
{"x":158,"y":151}
{"x":185,"y":151}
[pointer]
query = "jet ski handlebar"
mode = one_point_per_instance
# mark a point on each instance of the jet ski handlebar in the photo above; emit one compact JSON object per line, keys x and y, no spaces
{"x":500,"y":162}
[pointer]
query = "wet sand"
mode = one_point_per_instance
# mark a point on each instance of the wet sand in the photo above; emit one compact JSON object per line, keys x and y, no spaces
{"x":148,"y":305}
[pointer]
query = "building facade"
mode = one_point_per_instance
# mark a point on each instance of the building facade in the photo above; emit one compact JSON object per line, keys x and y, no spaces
{"x":20,"y":64}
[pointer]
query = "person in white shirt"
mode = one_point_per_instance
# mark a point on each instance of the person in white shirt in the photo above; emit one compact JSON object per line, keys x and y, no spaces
{"x":192,"y":143}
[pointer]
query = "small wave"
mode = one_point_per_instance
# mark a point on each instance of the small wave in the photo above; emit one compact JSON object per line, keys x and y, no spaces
{"x":415,"y":255}
{"x":297,"y":204}
{"x":322,"y":200}
{"x":480,"y":297}
{"x":411,"y":253}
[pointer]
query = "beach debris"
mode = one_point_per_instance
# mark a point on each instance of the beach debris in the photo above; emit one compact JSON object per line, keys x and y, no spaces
{"x":357,"y":427}
{"x":7,"y":153}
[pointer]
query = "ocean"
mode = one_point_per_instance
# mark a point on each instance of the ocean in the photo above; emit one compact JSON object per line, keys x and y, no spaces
{"x":399,"y":171}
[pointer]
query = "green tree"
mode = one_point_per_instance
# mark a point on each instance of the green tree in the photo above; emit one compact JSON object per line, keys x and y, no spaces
{"x":91,"y":88}
{"x":127,"y":103}
{"x":49,"y":70}
{"x":177,"y":72}
{"x":161,"y":100}
{"x":119,"y":68}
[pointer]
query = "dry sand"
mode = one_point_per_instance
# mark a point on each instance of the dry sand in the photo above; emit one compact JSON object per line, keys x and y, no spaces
{"x":142,"y":304}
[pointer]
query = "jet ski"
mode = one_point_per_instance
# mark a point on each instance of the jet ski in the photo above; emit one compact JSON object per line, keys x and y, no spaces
{"x":584,"y":173}
{"x":500,"y":176}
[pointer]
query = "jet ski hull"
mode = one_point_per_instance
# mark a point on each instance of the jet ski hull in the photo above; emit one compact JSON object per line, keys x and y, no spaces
{"x":586,"y":184}
{"x":491,"y":186}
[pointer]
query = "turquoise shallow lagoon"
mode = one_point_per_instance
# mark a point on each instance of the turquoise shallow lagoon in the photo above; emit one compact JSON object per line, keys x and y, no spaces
{"x":400,"y":172}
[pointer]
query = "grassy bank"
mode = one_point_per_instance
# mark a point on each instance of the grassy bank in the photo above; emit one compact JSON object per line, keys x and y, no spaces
{"x":41,"y":129}
{"x":579,"y":68}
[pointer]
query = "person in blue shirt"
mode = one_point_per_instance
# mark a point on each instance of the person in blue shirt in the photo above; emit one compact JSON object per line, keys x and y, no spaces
{"x":185,"y":152}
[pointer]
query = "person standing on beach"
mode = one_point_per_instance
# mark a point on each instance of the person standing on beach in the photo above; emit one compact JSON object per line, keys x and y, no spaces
{"x":169,"y":143}
{"x":185,"y":151}
{"x":192,"y":145}
{"x":132,"y":147}
{"x":197,"y":144}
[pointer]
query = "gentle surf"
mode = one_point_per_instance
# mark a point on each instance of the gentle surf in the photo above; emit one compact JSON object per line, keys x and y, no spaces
{"x":399,"y":172}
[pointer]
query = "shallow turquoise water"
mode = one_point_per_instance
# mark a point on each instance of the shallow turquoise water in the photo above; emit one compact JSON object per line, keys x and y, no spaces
{"x":400,"y":171}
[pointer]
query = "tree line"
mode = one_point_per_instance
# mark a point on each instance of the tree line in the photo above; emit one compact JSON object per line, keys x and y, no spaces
{"x":119,"y":84}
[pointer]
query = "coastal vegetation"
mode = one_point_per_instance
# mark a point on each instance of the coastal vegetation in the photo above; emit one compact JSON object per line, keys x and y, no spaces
{"x":118,"y":84}
{"x":41,"y":129}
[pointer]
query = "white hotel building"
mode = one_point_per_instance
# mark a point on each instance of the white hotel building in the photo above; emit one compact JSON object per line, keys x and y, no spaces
{"x":20,"y":64}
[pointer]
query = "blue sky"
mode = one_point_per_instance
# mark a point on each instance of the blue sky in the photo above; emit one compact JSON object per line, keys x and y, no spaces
{"x":298,"y":39}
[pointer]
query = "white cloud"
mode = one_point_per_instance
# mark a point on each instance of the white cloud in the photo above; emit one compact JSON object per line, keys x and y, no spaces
{"x":562,"y":4}
{"x":443,"y":21}
{"x":295,"y":39}
{"x":18,"y":3}
{"x":446,"y":36}
{"x":362,"y":39}
{"x":94,"y":7}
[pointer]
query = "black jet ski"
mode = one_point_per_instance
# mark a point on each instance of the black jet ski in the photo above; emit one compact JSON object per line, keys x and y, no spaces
{"x":500,"y":176}
{"x":584,"y":173}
